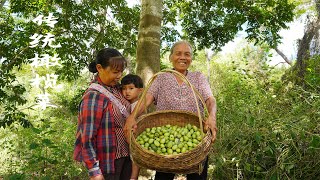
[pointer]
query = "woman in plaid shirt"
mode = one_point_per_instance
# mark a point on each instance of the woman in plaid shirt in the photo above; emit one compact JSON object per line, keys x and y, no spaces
{"x":100,"y":141}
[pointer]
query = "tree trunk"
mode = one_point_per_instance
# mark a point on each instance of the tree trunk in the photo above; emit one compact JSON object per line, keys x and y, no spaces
{"x":304,"y":45}
{"x":148,"y":46}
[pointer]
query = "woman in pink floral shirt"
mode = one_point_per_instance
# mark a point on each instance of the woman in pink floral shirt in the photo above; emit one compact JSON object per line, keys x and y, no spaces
{"x":169,"y":92}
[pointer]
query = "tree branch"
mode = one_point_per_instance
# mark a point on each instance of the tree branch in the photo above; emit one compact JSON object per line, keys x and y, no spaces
{"x":283,"y":56}
{"x":29,"y":107}
{"x":278,"y":64}
{"x":2,"y":2}
{"x":10,"y":65}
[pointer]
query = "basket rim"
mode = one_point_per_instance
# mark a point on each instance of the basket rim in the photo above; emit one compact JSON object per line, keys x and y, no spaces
{"x":166,"y":111}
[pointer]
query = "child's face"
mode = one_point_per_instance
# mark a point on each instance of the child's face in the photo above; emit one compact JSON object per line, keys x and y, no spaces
{"x":130,"y":92}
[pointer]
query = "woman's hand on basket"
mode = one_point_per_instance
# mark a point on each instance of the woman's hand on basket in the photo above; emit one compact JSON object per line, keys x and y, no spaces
{"x":210,"y":124}
{"x":130,"y":125}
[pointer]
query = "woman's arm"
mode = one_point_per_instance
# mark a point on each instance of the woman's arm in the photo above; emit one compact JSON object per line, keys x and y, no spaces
{"x":206,"y":93}
{"x":90,"y":114}
{"x":211,"y":121}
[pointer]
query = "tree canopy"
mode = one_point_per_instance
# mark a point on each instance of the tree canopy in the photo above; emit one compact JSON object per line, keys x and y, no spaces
{"x":212,"y":24}
{"x":83,"y":27}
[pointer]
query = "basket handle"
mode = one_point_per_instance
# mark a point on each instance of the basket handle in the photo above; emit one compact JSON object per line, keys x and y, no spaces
{"x":194,"y":92}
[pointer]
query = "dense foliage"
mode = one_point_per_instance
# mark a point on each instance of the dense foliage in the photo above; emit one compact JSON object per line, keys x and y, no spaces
{"x":267,"y":129}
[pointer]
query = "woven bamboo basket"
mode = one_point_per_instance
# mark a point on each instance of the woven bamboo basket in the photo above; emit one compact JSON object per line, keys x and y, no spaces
{"x":191,"y":161}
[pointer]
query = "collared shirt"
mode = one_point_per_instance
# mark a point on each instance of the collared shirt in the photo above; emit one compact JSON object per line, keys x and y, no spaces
{"x":170,"y":95}
{"x":100,"y":138}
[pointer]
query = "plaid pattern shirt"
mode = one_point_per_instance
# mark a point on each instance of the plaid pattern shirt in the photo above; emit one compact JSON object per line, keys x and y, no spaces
{"x":95,"y":144}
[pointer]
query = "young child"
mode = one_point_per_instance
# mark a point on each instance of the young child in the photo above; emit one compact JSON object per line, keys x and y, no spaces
{"x":132,"y":86}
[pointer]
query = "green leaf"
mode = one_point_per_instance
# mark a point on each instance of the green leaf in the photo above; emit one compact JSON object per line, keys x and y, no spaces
{"x":289,"y":167}
{"x":36,"y":130}
{"x":258,"y":137}
{"x":47,"y":142}
{"x":53,"y":161}
{"x":247,"y":166}
{"x":274,"y":176}
{"x":17,"y":177}
{"x":46,"y":178}
{"x":33,"y":146}
{"x":315,"y":142}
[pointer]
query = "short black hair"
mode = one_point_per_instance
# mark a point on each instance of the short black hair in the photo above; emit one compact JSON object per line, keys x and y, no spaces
{"x":132,"y":79}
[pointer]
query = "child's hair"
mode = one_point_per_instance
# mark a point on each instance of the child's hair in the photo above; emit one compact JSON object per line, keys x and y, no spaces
{"x":132,"y":79}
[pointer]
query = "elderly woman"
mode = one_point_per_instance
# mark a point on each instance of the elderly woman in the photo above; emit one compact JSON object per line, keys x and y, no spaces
{"x":100,"y":140}
{"x":169,"y":92}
